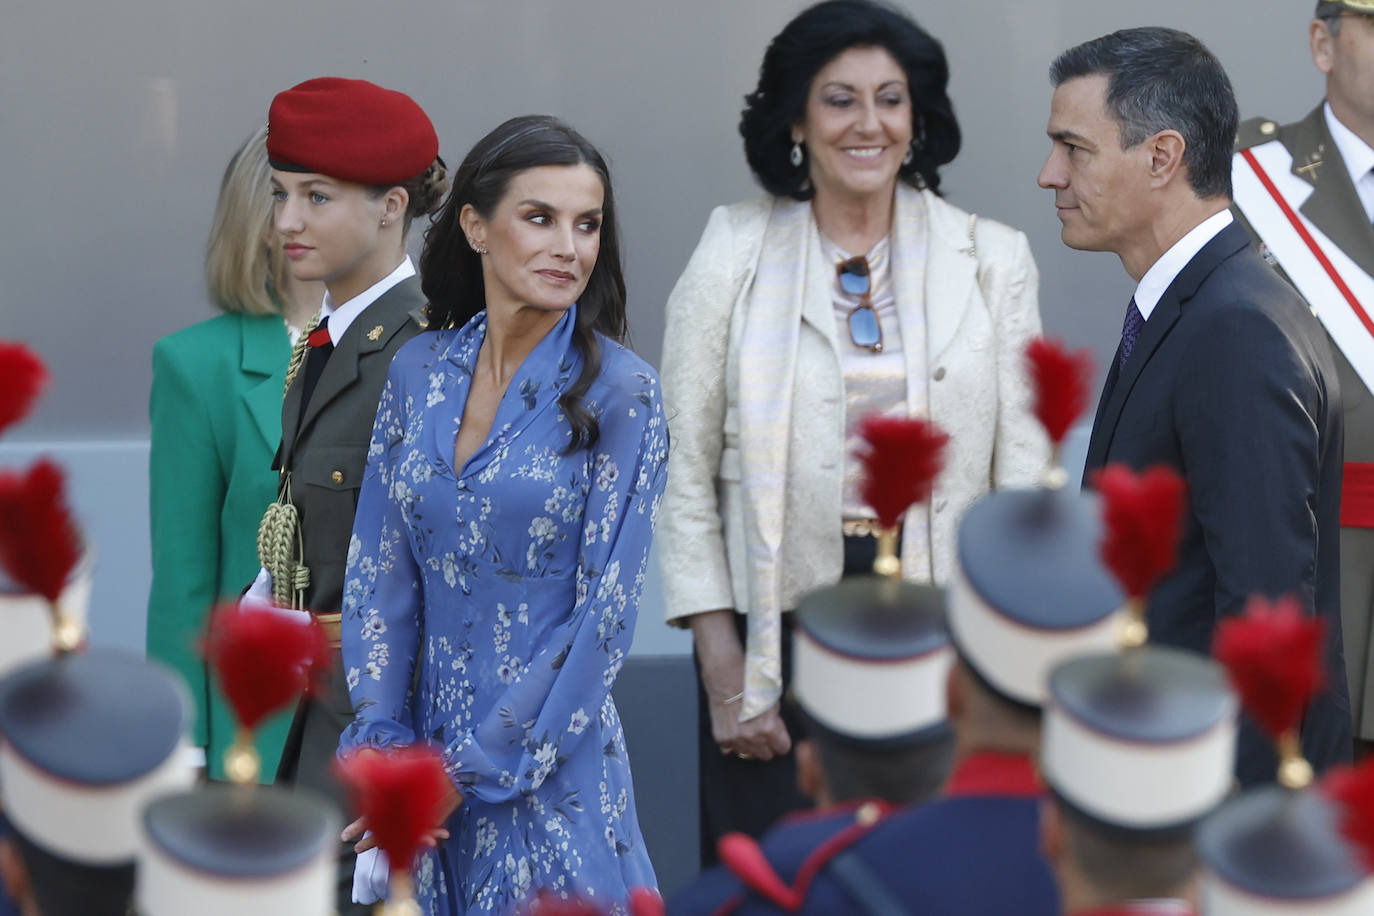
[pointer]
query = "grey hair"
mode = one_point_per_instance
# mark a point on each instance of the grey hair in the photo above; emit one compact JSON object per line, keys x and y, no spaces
{"x":1163,"y":79}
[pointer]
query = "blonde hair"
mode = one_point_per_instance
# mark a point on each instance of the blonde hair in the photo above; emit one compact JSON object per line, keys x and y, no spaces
{"x":243,"y":270}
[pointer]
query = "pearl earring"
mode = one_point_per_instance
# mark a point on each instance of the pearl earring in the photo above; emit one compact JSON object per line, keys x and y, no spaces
{"x":796,"y":157}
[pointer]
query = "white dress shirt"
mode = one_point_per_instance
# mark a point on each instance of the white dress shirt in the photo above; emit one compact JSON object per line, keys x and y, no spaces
{"x":341,"y":316}
{"x":1171,"y":263}
{"x":1358,"y":157}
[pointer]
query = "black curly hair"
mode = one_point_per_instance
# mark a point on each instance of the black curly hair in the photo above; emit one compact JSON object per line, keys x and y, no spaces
{"x":817,"y":36}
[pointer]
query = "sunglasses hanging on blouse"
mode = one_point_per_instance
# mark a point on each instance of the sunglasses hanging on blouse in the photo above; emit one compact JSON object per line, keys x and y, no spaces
{"x":864,"y":329}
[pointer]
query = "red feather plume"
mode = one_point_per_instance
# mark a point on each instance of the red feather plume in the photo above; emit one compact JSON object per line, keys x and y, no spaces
{"x":1142,"y":518}
{"x":399,"y":793}
{"x":22,"y":378}
{"x":1060,"y":377}
{"x":643,"y":902}
{"x":39,"y":545}
{"x":900,"y":464}
{"x":1352,"y":789}
{"x":265,"y":659}
{"x":1273,"y":655}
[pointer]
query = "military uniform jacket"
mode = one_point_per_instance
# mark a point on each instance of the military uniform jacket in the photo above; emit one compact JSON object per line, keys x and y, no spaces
{"x":786,"y":871}
{"x":326,"y":451}
{"x":973,"y":852}
{"x":1334,"y":208}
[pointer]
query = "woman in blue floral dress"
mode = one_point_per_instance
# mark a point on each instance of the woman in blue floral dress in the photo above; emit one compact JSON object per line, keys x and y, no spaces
{"x":503,"y":530}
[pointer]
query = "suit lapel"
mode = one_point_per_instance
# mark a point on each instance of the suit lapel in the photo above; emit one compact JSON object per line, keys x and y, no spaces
{"x":1334,"y":206}
{"x":1166,"y":313}
{"x":818,"y":296}
{"x":266,"y":350}
{"x":951,"y":270}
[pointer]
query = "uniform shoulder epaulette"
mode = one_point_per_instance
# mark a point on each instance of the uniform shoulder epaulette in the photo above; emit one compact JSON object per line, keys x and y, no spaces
{"x":742,"y":855}
{"x":1256,"y":131}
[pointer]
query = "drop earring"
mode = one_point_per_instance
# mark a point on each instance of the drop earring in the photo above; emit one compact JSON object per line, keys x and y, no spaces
{"x":797,"y":156}
{"x":910,"y":155}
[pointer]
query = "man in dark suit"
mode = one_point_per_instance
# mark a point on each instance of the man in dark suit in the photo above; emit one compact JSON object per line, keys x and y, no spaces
{"x":1222,"y":372}
{"x":1323,"y":169}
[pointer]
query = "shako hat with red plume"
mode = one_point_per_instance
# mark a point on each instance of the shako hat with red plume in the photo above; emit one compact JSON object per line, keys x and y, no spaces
{"x":246,"y":848}
{"x":1029,"y":587}
{"x":1292,"y":847}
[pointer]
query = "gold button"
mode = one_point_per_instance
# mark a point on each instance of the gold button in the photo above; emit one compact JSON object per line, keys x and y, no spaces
{"x":337,"y":477}
{"x":1268,"y":127}
{"x":868,"y":814}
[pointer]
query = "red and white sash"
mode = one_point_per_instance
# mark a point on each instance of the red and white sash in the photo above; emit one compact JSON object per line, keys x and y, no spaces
{"x":1339,"y":292}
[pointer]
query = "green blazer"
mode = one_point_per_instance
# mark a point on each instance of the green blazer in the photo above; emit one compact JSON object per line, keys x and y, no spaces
{"x":216,"y":422}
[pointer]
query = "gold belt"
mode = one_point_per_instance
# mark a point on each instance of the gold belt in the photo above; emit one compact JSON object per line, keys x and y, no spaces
{"x":332,"y":626}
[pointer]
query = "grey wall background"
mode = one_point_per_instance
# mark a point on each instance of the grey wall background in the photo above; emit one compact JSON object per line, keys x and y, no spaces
{"x":116,"y":121}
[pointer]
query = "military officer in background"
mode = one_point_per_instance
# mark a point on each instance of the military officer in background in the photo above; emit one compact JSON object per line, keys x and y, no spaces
{"x":1306,"y":191}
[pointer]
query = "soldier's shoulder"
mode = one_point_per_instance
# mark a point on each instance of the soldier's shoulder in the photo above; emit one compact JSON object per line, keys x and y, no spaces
{"x":1256,"y":131}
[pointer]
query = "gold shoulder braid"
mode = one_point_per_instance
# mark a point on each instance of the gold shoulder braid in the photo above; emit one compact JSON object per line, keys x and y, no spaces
{"x":279,"y":544}
{"x":279,"y":532}
{"x":298,"y":352}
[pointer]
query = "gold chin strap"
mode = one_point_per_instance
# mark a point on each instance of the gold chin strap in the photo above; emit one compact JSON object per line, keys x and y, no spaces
{"x":279,"y":547}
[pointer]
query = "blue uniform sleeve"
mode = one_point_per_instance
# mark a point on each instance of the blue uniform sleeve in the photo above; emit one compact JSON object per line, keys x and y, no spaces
{"x":535,"y":724}
{"x":380,"y":629}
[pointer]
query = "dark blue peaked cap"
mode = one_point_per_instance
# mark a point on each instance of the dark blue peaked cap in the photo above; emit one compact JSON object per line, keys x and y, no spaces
{"x":1284,"y":848}
{"x":1142,"y":740}
{"x":1032,"y":555}
{"x":1030,"y":588}
{"x":232,"y":832}
{"x":870,"y":659}
{"x":96,"y":732}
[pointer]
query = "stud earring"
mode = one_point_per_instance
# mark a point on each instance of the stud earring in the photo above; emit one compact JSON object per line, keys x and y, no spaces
{"x":796,"y":157}
{"x":477,"y":248}
{"x":383,"y":224}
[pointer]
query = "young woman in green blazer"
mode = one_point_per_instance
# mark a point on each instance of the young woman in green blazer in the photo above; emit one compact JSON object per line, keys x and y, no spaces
{"x":216,"y":422}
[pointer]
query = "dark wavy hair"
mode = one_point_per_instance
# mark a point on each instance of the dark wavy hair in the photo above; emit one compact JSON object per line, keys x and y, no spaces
{"x":813,"y":39}
{"x":451,"y":271}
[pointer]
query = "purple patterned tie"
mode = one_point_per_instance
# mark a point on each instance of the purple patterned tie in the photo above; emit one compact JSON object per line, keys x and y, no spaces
{"x":1130,"y":330}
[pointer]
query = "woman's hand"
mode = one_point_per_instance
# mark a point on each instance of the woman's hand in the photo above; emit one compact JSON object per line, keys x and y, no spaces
{"x":722,"y":672}
{"x":359,"y":828}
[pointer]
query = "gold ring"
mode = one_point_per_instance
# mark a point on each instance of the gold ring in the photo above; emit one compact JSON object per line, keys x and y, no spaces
{"x":724,"y":751}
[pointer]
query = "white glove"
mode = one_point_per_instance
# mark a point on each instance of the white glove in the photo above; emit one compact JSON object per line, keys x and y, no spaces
{"x":371,"y":875}
{"x":259,"y":594}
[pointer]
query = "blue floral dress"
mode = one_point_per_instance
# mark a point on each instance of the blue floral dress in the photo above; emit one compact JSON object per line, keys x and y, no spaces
{"x":514,"y":582}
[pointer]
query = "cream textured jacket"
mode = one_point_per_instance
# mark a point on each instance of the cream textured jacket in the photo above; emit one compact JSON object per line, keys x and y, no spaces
{"x":980,"y":311}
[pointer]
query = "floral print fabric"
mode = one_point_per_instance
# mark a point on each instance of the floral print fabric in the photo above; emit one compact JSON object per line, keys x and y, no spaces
{"x":487,"y":609}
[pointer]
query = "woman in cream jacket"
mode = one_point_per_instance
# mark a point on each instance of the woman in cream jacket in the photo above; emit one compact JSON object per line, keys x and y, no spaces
{"x":769,"y":362}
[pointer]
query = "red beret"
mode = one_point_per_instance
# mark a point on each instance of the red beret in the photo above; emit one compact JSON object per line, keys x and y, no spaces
{"x":352,"y":130}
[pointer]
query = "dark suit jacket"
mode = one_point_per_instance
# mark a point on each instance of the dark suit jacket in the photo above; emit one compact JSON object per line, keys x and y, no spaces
{"x":1232,"y":383}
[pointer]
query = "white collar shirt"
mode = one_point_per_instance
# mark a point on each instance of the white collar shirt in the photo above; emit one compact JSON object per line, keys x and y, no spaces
{"x":341,"y":316}
{"x":1358,"y":157}
{"x":1171,"y":263}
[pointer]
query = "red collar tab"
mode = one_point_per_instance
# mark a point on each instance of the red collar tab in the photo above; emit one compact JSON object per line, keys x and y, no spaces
{"x":995,"y":773}
{"x":318,"y":337}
